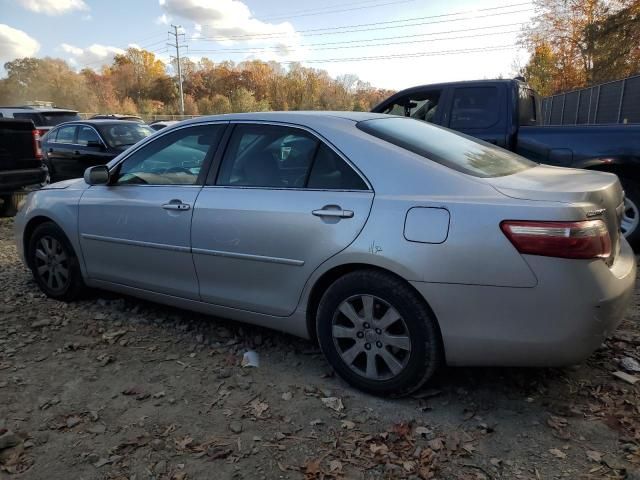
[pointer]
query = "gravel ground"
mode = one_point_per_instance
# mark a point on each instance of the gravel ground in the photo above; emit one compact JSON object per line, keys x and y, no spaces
{"x":114,"y":387}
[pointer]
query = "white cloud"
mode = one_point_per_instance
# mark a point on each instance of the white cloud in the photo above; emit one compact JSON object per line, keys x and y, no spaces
{"x":53,"y":7}
{"x":163,"y":19}
{"x":93,"y":56}
{"x":231,"y":21}
{"x":15,"y":43}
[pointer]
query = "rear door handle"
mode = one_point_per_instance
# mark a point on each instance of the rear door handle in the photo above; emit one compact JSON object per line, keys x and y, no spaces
{"x":76,"y":152}
{"x":326,"y":212}
{"x":176,"y":205}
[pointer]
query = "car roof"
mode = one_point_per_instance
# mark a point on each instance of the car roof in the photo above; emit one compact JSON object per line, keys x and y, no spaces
{"x":298,"y":116}
{"x":100,"y":121}
{"x":30,"y":108}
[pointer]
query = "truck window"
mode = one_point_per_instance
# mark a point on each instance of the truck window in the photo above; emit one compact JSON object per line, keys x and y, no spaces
{"x":527,"y":111}
{"x":474,"y":107}
{"x":421,"y":106}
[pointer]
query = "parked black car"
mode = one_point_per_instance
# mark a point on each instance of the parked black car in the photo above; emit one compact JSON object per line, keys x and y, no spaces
{"x":20,"y":162}
{"x":117,"y":116}
{"x":507,"y":113}
{"x":70,"y":148}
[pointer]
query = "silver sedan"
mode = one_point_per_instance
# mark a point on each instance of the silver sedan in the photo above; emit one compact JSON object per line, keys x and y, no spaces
{"x":398,"y":245}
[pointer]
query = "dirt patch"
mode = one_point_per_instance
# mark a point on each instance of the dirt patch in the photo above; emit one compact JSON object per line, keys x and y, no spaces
{"x":114,"y":387}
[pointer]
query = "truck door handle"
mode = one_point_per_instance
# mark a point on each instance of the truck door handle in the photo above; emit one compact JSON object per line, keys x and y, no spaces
{"x":51,"y":150}
{"x":176,"y":205}
{"x":76,"y":152}
{"x":333,"y":213}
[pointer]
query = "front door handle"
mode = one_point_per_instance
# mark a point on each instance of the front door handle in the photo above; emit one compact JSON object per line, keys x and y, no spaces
{"x":333,"y":213}
{"x":176,"y":205}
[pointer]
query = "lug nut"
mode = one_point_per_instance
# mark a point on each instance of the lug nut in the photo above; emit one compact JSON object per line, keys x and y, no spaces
{"x":367,"y":346}
{"x":378,"y":331}
{"x":366,"y":325}
{"x":360,"y":334}
{"x":379,"y":344}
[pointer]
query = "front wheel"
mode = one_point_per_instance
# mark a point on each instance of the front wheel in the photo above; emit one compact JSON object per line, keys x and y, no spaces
{"x":630,"y":222}
{"x":54,"y":264}
{"x":378,"y":333}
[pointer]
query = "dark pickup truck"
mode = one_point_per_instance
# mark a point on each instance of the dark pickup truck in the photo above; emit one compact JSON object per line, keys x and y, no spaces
{"x":20,"y":162}
{"x":507,"y":113}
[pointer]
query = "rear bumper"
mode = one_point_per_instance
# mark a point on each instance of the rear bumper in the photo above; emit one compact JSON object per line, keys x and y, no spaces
{"x":12,"y":180}
{"x":561,"y":321}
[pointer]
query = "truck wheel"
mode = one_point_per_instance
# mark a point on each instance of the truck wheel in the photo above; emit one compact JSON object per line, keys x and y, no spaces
{"x":378,"y":333}
{"x":630,"y":223}
{"x":11,"y":203}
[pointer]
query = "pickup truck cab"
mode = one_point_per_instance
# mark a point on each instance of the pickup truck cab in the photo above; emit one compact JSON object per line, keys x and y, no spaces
{"x":507,"y":113}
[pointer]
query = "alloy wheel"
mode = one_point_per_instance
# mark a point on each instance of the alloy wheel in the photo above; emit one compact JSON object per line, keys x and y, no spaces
{"x":371,"y":337}
{"x":52,"y":263}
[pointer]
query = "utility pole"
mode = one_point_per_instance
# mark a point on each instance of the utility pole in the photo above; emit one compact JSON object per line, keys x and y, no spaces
{"x":177,"y":47}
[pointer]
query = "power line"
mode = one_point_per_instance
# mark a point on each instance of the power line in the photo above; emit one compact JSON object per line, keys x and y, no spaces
{"x":357,"y":27}
{"x":339,"y":10}
{"x":407,"y":55}
{"x":254,"y":50}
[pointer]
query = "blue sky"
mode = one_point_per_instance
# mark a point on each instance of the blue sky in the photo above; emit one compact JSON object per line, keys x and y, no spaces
{"x":389,"y":43}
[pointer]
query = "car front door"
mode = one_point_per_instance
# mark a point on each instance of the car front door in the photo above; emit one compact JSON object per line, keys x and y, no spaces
{"x":91,"y":149}
{"x":136,"y":230}
{"x":283,"y":202}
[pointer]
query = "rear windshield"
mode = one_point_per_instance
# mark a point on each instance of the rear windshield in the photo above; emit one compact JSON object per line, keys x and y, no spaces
{"x":124,"y":134}
{"x":454,"y":150}
{"x":48,"y":119}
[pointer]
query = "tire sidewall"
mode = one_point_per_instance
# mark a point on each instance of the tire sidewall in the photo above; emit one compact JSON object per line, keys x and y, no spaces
{"x":76,"y":283}
{"x":425,"y":354}
{"x":632,"y":192}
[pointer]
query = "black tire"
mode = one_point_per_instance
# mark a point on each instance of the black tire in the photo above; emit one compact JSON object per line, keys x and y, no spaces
{"x":11,"y":204}
{"x":632,"y":209}
{"x":72,"y":285}
{"x":418,"y":323}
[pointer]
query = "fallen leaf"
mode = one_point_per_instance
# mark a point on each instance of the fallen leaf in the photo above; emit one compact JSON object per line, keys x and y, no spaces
{"x":334,"y":403}
{"x":259,"y":407}
{"x":594,"y":456}
{"x":335,"y":466}
{"x":348,"y":424}
{"x":557,"y":453}
{"x":632,"y":379}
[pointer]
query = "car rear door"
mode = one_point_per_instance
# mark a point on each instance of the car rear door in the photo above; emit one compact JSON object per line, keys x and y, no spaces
{"x":136,"y":231}
{"x":58,"y":150}
{"x":282,"y":202}
{"x":91,"y":149}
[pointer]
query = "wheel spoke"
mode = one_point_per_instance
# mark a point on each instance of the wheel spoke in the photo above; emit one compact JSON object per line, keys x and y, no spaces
{"x":40,"y":255}
{"x":400,"y":341}
{"x":343,"y":332}
{"x":372,"y":369}
{"x":350,"y":355}
{"x":63,"y":272}
{"x":394,"y":365}
{"x":50,"y":280}
{"x":59,"y":280}
{"x":45,"y":245}
{"x":367,"y":307}
{"x":61,"y":257}
{"x":42,"y":269}
{"x":390,"y":317}
{"x":348,"y":311}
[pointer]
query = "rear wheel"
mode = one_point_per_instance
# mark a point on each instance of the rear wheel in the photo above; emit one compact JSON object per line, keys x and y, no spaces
{"x":378,"y":333}
{"x":54,"y":264}
{"x":630,"y":223}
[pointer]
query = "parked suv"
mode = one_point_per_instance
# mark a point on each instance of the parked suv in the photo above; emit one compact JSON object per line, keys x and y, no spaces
{"x":44,"y":118}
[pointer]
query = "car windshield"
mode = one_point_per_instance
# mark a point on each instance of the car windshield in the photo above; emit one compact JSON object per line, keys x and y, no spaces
{"x":124,"y":134}
{"x":454,"y":150}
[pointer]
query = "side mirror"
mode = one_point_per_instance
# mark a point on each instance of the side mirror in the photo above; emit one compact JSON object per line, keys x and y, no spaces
{"x":98,"y":175}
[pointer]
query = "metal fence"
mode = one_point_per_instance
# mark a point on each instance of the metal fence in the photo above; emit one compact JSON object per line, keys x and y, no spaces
{"x":611,"y":102}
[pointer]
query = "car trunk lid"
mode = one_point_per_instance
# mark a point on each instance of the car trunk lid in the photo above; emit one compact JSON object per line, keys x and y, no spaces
{"x":569,"y":185}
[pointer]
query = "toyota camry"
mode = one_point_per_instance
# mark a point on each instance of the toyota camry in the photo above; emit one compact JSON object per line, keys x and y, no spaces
{"x":398,"y":245}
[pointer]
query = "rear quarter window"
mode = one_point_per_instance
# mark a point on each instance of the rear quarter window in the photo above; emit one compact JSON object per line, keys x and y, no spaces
{"x":474,"y":107}
{"x":454,"y":150}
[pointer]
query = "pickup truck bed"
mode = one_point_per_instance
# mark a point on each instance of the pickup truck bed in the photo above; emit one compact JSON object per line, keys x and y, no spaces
{"x":20,"y":163}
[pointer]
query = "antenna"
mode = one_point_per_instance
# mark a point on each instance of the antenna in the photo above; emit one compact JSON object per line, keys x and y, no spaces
{"x":177,"y":46}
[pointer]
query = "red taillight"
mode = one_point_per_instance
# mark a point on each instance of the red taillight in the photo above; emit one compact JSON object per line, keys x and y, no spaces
{"x":36,"y":144}
{"x":585,"y":239}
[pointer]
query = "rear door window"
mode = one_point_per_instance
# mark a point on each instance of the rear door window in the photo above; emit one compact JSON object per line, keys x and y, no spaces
{"x":86,"y":135}
{"x":474,"y":107}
